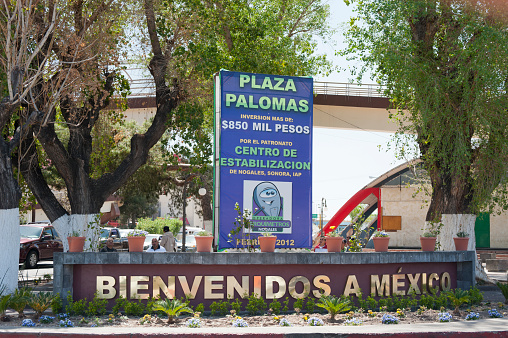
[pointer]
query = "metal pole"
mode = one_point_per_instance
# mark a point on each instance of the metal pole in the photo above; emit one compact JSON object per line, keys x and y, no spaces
{"x":183,"y":219}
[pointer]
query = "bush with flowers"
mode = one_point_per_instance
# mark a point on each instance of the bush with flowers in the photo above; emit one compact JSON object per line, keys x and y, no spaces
{"x":444,"y":317}
{"x":28,"y":323}
{"x":495,"y":314}
{"x":389,"y":319}
{"x":353,"y":322}
{"x":239,"y":322}
{"x":473,"y":316}
{"x":314,"y":321}
{"x":137,"y":233}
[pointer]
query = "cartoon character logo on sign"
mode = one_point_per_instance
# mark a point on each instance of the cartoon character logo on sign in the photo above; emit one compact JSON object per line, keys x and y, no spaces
{"x":267,"y":200}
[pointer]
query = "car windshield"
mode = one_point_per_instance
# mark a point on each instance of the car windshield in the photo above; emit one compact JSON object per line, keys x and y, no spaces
{"x":124,"y":232}
{"x":104,"y":233}
{"x":30,"y":232}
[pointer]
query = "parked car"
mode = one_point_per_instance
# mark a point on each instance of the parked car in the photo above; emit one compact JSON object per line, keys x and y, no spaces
{"x":148,"y":240}
{"x":38,"y":242}
{"x":120,"y":243}
{"x":190,"y":244}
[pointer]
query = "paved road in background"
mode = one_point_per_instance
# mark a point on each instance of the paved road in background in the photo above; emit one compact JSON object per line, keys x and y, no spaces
{"x":43,"y":268}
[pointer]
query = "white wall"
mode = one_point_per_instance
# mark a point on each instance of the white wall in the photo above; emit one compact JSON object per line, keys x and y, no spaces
{"x":397,"y":201}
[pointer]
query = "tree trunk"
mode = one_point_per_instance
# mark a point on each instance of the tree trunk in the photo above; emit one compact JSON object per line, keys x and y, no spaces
{"x":10,"y":195}
{"x":9,"y":242}
{"x":454,"y":223}
{"x":86,"y":225}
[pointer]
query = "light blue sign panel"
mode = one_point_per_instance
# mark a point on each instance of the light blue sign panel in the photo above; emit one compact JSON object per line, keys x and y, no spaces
{"x":265,"y":162}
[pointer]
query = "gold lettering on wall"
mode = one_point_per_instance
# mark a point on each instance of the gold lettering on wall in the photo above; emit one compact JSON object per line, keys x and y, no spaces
{"x":136,"y":287}
{"x":432,"y":277}
{"x":185,"y":286}
{"x":446,"y":282}
{"x":158,"y":284}
{"x":319,"y":282}
{"x":233,"y":285}
{"x":257,"y":286}
{"x":105,"y":286}
{"x":123,"y":286}
{"x":209,"y":287}
{"x":398,"y":281}
{"x":292,"y":287}
{"x":351,"y":286}
{"x":424,"y":283}
{"x":413,"y":283}
{"x":269,"y":280}
{"x":380,"y":288}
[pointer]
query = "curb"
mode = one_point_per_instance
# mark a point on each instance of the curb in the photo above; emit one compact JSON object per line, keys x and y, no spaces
{"x":485,"y":334}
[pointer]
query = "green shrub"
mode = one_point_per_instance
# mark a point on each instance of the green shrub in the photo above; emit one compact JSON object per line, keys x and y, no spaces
{"x":119,"y":304}
{"x":40,"y":302}
{"x":275,"y":305}
{"x":4,"y":304}
{"x":476,"y":296}
{"x":256,"y":305}
{"x":97,"y":306}
{"x":457,"y":298}
{"x":172,"y":307}
{"x":77,"y":308}
{"x":371,"y":304}
{"x":200,"y":308}
{"x":236,"y":305}
{"x":156,"y":226}
{"x":135,"y":308}
{"x":298,"y":304}
{"x":56,"y":304}
{"x":504,"y":290}
{"x":285,"y":309}
{"x":310,"y":305}
{"x":19,"y":300}
{"x":334,"y":305}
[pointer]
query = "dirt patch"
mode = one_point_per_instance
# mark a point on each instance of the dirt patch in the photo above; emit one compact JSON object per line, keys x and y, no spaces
{"x":257,"y":321}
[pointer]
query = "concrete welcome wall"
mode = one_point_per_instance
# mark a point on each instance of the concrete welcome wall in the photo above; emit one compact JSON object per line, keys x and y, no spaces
{"x":78,"y":272}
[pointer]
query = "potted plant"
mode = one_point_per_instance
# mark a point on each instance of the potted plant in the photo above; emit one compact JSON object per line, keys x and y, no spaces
{"x":267,"y":242}
{"x":76,"y":242}
{"x":381,"y":240}
{"x":203,"y":241}
{"x":461,"y":241}
{"x":136,"y":239}
{"x":334,"y":242}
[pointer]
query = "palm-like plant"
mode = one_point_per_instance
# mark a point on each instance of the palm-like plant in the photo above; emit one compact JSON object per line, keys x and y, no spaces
{"x":40,"y":302}
{"x":4,"y":304}
{"x":172,"y":307}
{"x":504,"y":290}
{"x":20,"y":299}
{"x":334,"y":305}
{"x":457,"y":298}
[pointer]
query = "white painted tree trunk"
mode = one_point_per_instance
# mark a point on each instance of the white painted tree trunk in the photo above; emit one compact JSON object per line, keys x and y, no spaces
{"x":85,"y":225}
{"x":454,"y":223}
{"x":9,"y":246}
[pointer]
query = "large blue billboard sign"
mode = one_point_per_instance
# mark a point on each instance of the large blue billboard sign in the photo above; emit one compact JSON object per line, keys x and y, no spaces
{"x":263,"y":159}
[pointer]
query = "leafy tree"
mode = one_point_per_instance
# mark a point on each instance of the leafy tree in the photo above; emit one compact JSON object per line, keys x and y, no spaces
{"x":445,"y":66}
{"x":180,"y":37}
{"x":27,"y":30}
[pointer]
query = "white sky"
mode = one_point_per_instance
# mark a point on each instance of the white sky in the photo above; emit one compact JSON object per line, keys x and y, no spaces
{"x":343,"y":160}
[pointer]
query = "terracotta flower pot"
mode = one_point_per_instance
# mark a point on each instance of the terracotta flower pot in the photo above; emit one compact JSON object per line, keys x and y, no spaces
{"x":76,"y":244}
{"x":381,"y":244}
{"x":334,"y":244}
{"x":428,"y":243}
{"x":204,"y":243}
{"x":461,"y":243}
{"x":136,"y":243}
{"x":267,"y":243}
